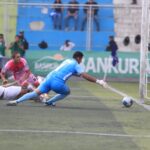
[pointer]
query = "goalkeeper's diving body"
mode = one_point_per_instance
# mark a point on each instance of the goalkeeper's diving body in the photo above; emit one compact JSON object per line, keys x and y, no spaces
{"x":56,"y":81}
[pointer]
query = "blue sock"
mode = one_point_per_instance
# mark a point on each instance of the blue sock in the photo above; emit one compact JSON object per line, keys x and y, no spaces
{"x":27,"y":97}
{"x":56,"y":98}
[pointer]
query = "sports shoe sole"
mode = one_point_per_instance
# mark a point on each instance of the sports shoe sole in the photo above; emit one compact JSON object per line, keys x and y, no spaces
{"x":11,"y":104}
{"x":50,"y":105}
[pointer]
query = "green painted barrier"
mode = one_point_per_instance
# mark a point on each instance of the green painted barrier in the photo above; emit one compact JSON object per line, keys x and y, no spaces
{"x":95,"y":63}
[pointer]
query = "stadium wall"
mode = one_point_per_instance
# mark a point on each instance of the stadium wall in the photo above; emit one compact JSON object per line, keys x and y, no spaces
{"x":127,"y":24}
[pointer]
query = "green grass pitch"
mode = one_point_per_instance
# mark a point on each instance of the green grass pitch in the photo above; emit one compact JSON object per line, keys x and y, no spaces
{"x":91,"y":118}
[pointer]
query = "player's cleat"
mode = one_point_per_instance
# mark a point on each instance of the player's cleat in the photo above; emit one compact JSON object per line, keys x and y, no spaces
{"x":12,"y":103}
{"x":50,"y":104}
{"x":44,"y":98}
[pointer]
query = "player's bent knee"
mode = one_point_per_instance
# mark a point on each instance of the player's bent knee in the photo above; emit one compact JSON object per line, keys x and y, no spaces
{"x":66,"y":93}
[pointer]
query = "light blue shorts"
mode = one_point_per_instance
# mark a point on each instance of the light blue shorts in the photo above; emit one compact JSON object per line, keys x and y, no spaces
{"x":55,"y":85}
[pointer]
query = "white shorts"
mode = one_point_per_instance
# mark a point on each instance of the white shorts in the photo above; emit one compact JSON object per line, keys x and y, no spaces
{"x":11,"y":92}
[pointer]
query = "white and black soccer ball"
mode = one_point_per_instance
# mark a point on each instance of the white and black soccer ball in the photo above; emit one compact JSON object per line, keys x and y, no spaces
{"x":127,"y":101}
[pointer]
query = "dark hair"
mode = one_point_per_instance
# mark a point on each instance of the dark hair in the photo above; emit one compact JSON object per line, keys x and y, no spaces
{"x":67,"y":42}
{"x":17,"y":36}
{"x":14,"y":54}
{"x":78,"y":54}
{"x":2,"y":35}
{"x":21,"y":32}
{"x":111,"y":37}
{"x":43,"y":45}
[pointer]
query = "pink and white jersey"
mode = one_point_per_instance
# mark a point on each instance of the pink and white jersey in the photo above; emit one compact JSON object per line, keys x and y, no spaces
{"x":18,"y":69}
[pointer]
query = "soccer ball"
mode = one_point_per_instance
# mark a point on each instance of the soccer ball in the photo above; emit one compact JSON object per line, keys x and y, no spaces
{"x":127,"y":101}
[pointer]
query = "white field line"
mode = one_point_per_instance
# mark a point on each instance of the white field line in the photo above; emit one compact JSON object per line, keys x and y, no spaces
{"x":74,"y":132}
{"x":82,"y":96}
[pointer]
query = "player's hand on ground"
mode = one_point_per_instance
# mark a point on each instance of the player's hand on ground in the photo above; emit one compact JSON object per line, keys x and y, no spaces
{"x":102,"y":83}
{"x":4,"y":82}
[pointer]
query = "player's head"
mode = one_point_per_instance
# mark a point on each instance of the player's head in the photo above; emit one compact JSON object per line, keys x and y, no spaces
{"x":67,"y":42}
{"x":1,"y":37}
{"x":111,"y":38}
{"x":21,"y":34}
{"x":78,"y":56}
{"x":16,"y":57}
{"x":17,"y":38}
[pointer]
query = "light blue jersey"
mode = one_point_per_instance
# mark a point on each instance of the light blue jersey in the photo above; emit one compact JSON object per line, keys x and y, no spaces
{"x":66,"y":69}
{"x":55,"y":80}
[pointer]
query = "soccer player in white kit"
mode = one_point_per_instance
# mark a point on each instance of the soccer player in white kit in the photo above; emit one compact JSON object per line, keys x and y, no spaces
{"x":11,"y":92}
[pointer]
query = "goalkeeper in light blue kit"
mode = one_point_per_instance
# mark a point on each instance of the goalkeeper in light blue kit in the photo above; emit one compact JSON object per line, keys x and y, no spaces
{"x":56,"y":81}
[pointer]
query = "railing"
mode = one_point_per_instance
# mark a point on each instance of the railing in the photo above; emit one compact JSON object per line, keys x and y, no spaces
{"x":10,"y":24}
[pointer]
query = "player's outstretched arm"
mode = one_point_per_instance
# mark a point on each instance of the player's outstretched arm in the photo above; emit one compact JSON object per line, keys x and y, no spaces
{"x":10,"y":84}
{"x":88,"y":77}
{"x":93,"y":79}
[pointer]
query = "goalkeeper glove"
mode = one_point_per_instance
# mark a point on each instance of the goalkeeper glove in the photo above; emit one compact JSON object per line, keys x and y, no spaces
{"x":102,"y":83}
